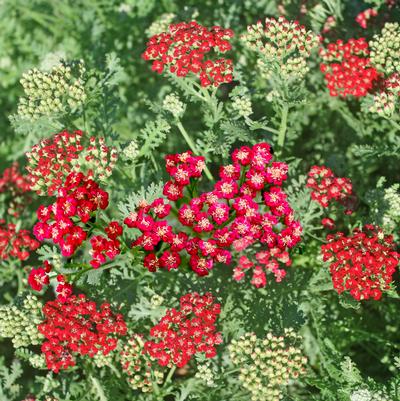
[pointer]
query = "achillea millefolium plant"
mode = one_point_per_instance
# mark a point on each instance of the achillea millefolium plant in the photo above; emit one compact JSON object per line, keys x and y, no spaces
{"x":200,"y":200}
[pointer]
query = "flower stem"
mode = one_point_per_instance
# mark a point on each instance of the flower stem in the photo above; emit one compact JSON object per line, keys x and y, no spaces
{"x":170,"y":374}
{"x":193,"y":147}
{"x":283,"y":126}
{"x":20,"y":283}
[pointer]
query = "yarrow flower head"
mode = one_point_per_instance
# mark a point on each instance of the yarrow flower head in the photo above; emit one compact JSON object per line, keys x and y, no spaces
{"x":19,"y":321}
{"x":14,"y":190}
{"x":367,"y":395}
{"x":51,"y":160}
{"x":391,"y":216}
{"x":58,"y":91}
{"x":362,"y":263}
{"x":138,"y":365}
{"x":235,"y":214}
{"x":364,"y":16}
{"x":268,"y":261}
{"x":205,"y":373}
{"x":65,"y":221}
{"x":284,"y":46}
{"x":347,"y":68}
{"x":266,"y":365}
{"x":78,"y":328}
{"x":185,"y":50}
{"x":131,"y":151}
{"x":242,"y":106}
{"x":326,"y":187}
{"x":160,"y":25}
{"x":39,"y":277}
{"x":385,"y":49}
{"x":174,"y":105}
{"x":183,"y":333}
{"x":16,"y":243}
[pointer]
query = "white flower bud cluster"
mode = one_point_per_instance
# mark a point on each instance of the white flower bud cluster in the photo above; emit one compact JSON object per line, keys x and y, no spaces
{"x":242,"y":105}
{"x":38,"y":361}
{"x":385,"y":49}
{"x":284,"y":47}
{"x":160,"y":25}
{"x":367,"y":395}
{"x":205,"y":373}
{"x":101,"y":360}
{"x":174,"y":105}
{"x":139,"y":366}
{"x":391,"y":218}
{"x":20,"y":322}
{"x":156,"y":300}
{"x":361,"y":395}
{"x":131,"y":152}
{"x":57,"y":91}
{"x":295,"y":68}
{"x":381,"y":103}
{"x":97,"y":160}
{"x":266,"y":365}
{"x":125,"y":8}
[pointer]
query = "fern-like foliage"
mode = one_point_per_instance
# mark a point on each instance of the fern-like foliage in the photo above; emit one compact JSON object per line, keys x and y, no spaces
{"x":9,"y":388}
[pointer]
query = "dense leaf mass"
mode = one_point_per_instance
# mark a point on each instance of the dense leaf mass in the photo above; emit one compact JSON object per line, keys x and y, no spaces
{"x":199,"y":200}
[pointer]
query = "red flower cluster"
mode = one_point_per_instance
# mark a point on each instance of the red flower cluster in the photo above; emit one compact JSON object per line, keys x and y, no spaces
{"x":50,"y":161}
{"x":330,"y":23}
{"x":183,"y":49}
{"x":76,"y":327}
{"x":347,"y":68}
{"x":16,"y":188}
{"x":362,"y":263}
{"x":39,"y":277}
{"x":103,"y":247}
{"x":15,"y":244}
{"x":246,"y":205}
{"x":326,"y":187}
{"x":63,"y":289}
{"x":363,"y":17}
{"x":328,"y":223}
{"x":77,"y":200}
{"x":181,"y":168}
{"x":181,"y":334}
{"x":267,"y":261}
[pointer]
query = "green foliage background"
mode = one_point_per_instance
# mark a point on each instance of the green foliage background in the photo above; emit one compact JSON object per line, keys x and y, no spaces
{"x":349,"y":345}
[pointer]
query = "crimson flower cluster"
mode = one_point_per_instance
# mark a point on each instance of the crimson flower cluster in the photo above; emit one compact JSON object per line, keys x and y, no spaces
{"x":268,"y":261}
{"x":326,"y":187}
{"x":103,"y":247}
{"x":16,"y":188}
{"x":347,"y":68}
{"x":362,"y":263}
{"x":180,"y":334}
{"x":246,"y":205}
{"x":53,"y":159}
{"x":183,"y":51}
{"x":364,"y":16}
{"x":77,"y":200}
{"x":15,"y":244}
{"x":77,"y":327}
{"x":39,"y":277}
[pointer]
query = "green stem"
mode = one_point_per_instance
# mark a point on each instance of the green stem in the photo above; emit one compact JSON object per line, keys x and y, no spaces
{"x":20,"y":284}
{"x":394,"y":123}
{"x":314,"y":236}
{"x":169,"y":376}
{"x":283,"y":126}
{"x":193,"y":147}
